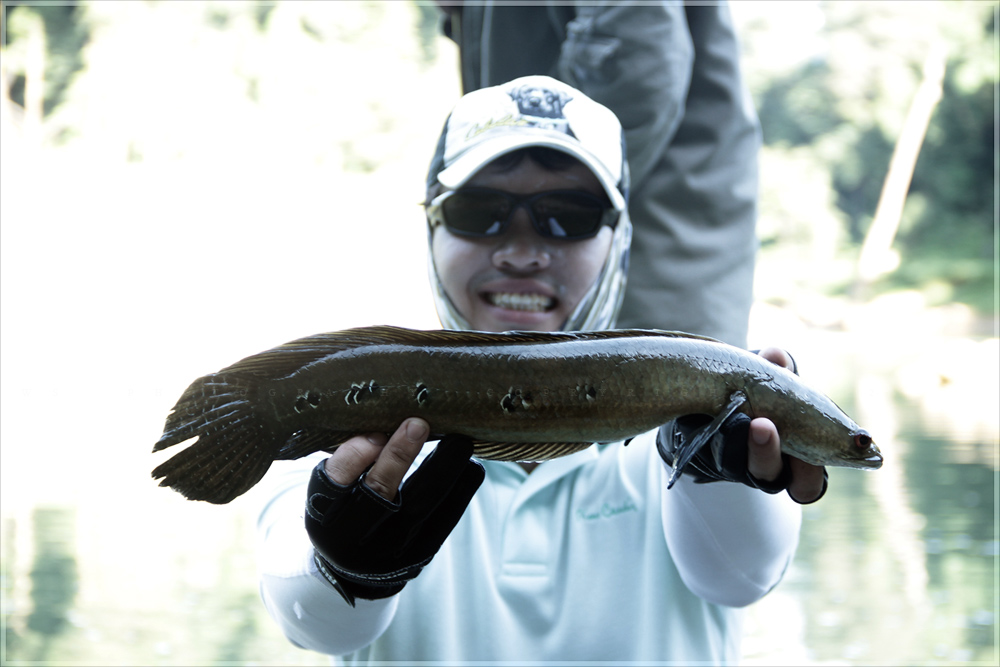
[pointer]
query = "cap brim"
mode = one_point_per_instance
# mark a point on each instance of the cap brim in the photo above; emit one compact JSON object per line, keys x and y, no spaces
{"x":477,"y":157}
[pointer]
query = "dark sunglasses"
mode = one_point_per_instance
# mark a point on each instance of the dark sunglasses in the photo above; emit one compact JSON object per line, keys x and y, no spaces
{"x":559,"y":214}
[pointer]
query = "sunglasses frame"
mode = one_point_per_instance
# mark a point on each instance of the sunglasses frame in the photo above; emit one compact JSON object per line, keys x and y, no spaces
{"x":436,"y":216}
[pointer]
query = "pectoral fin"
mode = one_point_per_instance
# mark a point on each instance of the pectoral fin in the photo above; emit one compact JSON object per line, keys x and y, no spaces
{"x":687,"y":450}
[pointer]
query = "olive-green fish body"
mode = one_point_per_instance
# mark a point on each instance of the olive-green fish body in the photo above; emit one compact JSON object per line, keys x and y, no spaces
{"x":520,"y":395}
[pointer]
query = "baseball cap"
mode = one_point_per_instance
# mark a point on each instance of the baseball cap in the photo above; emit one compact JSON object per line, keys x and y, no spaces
{"x":531,"y":111}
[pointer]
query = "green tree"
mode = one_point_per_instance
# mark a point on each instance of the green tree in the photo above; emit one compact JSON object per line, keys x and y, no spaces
{"x":65,"y":37}
{"x":846,"y":105}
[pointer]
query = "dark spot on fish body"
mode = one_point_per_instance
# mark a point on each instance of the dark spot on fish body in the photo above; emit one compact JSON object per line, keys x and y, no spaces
{"x":361,"y":392}
{"x":310,"y":399}
{"x":422,"y":394}
{"x":515,"y":399}
{"x":586,"y":392}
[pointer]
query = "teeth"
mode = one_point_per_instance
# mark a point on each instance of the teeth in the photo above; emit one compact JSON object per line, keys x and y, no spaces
{"x":512,"y":301}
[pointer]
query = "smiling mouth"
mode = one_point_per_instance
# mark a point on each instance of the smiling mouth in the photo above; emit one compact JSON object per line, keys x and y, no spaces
{"x":533,"y":303}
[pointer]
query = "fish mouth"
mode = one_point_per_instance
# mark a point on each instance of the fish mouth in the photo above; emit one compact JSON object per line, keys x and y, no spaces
{"x":870,"y":459}
{"x":873,"y":462}
{"x":531,"y":302}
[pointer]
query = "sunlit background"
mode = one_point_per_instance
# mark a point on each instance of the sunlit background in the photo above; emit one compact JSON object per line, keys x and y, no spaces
{"x":187,"y":183}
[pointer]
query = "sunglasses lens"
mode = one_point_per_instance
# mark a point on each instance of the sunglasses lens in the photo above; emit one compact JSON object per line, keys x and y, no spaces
{"x":568,"y":215}
{"x":476,"y":213}
{"x":563,"y":215}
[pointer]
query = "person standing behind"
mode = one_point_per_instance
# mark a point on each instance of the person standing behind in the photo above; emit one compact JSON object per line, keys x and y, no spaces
{"x":670,"y":72}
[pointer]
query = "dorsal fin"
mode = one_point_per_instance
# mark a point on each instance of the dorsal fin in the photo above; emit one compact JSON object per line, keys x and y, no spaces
{"x":285,"y":359}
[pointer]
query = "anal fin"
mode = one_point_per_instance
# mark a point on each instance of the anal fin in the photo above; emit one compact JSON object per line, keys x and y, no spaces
{"x":531,"y":451}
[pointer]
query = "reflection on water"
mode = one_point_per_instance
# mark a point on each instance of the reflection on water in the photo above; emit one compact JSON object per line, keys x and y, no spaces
{"x":895,"y":567}
{"x":954,"y":492}
{"x":899,"y":566}
{"x":53,"y":584}
{"x":194,"y":603}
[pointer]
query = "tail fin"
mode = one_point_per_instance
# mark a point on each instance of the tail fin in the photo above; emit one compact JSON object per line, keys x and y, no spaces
{"x":234,"y":447}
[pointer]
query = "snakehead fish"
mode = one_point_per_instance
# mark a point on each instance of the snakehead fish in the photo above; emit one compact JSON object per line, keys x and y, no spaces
{"x":521,"y":396}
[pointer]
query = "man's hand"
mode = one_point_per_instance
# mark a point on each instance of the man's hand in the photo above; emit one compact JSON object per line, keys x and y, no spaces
{"x":759,"y":463}
{"x":389,"y":458}
{"x":764,"y":460}
{"x":372,"y":535}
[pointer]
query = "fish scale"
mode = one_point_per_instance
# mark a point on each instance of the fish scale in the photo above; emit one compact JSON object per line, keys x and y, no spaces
{"x":521,"y":396}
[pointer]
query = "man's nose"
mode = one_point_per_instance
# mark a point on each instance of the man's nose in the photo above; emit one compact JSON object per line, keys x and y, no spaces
{"x":520,"y":247}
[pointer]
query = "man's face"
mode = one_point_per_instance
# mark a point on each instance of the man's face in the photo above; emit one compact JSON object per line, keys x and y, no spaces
{"x":520,"y":279}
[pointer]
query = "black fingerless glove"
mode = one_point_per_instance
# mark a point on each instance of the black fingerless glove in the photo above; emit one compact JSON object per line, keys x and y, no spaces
{"x":369,"y":547}
{"x":723,"y":457}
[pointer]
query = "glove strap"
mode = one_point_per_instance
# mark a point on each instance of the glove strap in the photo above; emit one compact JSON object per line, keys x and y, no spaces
{"x":352,"y":586}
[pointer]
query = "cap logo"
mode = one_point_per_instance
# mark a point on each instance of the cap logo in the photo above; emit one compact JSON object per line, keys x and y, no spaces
{"x":542,"y":107}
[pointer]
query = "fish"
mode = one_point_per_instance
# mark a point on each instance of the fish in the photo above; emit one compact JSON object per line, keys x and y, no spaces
{"x":519,"y":395}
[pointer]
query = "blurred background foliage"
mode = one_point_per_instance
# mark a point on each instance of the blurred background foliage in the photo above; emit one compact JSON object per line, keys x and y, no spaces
{"x":831,"y":119}
{"x":831,"y":113}
{"x":241,"y":113}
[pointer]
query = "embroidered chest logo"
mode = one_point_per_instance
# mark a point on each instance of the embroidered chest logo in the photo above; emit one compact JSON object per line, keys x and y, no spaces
{"x":608,"y":510}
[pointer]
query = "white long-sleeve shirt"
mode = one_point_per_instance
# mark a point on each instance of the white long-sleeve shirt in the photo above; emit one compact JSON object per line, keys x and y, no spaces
{"x":588,"y":558}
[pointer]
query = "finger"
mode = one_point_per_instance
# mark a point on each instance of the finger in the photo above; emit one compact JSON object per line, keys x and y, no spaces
{"x":353,"y":457}
{"x":778,"y":356}
{"x":437,"y":474}
{"x":764,"y":450}
{"x":396,"y":458}
{"x":807,"y":482}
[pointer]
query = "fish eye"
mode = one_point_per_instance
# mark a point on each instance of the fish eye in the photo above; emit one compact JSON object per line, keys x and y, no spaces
{"x":862,"y":440}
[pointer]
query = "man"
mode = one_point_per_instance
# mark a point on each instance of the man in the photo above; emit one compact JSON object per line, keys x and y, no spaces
{"x":586,"y":557}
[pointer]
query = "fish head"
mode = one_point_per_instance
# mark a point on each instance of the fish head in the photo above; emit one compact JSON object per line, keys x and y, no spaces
{"x":866,"y":452}
{"x":832,"y":438}
{"x":814,"y":429}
